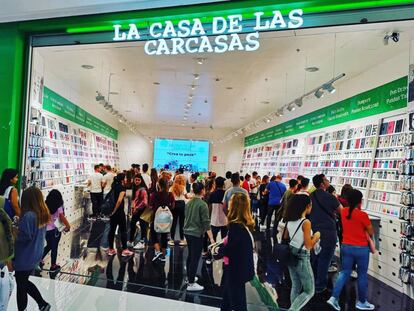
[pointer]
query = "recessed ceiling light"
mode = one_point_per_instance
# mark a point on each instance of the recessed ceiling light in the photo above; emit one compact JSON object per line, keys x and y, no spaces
{"x":265,"y":102}
{"x":193,"y":87}
{"x":205,"y":101}
{"x":188,"y":105}
{"x":185,"y":118}
{"x":229,"y":88}
{"x":312,"y":69}
{"x":87,"y":66}
{"x":156,"y":83}
{"x":200,"y":60}
{"x":196,"y":76}
{"x":114,"y":93}
{"x":190,"y":96}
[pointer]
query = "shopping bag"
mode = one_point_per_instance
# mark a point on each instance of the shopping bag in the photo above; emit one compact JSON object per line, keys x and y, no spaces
{"x":147,"y":215}
{"x":6,"y":287}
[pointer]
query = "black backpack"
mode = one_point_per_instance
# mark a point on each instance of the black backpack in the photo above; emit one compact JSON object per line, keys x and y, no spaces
{"x":108,"y":204}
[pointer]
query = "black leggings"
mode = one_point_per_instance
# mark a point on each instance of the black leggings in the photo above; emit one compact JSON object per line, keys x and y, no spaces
{"x":270,"y":210}
{"x":96,"y":199}
{"x":118,"y":219}
{"x":215,"y":230}
{"x":52,"y":240}
{"x":160,"y":238}
{"x":133,"y":226}
{"x":178,"y":216}
{"x":234,"y":294}
{"x":195,"y":245}
{"x":24,"y":287}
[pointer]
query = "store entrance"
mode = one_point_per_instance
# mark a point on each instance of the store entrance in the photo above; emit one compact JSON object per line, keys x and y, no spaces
{"x":325,"y":100}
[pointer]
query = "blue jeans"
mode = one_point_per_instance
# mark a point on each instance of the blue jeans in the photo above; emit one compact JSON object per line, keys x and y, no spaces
{"x":358,"y":255}
{"x":322,"y":261}
{"x":303,"y":287}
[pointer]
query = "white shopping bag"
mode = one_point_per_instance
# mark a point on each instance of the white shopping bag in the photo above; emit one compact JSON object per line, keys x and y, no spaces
{"x":6,"y":287}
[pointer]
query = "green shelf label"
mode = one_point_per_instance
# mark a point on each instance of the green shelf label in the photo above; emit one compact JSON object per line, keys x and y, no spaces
{"x":64,"y":108}
{"x":385,"y":98}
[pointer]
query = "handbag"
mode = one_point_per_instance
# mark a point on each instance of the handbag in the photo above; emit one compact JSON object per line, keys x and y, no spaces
{"x":371,"y":243}
{"x":59,"y":225}
{"x":147,"y":215}
{"x":282,"y":252}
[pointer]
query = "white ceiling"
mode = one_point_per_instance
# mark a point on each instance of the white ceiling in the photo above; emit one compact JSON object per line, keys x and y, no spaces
{"x":255,"y":77}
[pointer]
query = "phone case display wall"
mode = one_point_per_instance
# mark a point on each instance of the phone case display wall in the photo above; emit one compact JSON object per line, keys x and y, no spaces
{"x":367,"y":156}
{"x":406,"y":185}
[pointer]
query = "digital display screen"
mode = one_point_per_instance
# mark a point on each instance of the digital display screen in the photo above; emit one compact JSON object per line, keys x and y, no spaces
{"x":172,"y":154}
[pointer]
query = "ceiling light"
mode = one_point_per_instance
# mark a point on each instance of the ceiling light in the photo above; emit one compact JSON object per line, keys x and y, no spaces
{"x":329,"y":88}
{"x":312,"y":69}
{"x":279,"y":112}
{"x":190,"y":96}
{"x":196,"y":76}
{"x":114,"y":93}
{"x":87,"y":66}
{"x":265,"y":102}
{"x":319,"y":93}
{"x":189,"y":104}
{"x":299,"y":102}
{"x":193,"y":87}
{"x":229,"y":88}
{"x":200,"y":60}
{"x":205,"y":101}
{"x":291,"y":107}
{"x":185,"y":118}
{"x":182,"y":124}
{"x":156,"y":83}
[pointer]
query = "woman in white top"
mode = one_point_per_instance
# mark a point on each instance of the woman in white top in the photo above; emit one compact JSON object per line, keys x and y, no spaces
{"x":180,"y":196}
{"x":301,"y":242}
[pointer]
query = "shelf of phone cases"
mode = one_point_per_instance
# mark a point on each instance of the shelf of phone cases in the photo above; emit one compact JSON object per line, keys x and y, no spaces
{"x":383,"y":208}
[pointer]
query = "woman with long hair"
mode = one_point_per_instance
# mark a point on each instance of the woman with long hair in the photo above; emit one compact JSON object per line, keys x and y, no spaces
{"x":238,"y":254}
{"x":139,"y":203}
{"x":301,"y":242}
{"x":8,"y":190}
{"x":154,"y":180}
{"x":54,"y":202}
{"x":118,"y":217}
{"x":180,"y":195}
{"x":29,"y":246}
{"x":354,"y":249}
{"x":196,"y":224}
{"x":157,"y":199}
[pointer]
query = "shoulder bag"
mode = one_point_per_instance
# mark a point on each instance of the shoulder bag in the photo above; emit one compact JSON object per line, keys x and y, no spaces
{"x":282,"y":252}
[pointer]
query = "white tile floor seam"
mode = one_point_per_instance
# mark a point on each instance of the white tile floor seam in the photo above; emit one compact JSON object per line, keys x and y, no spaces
{"x":65,"y":296}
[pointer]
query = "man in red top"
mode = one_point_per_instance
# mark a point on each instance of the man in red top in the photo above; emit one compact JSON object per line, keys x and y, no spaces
{"x":246,"y":183}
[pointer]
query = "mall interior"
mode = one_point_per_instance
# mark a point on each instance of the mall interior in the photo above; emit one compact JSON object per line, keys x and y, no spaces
{"x":195,"y":90}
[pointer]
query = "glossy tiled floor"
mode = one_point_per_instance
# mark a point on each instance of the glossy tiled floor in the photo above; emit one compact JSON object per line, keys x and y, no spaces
{"x":84,"y":262}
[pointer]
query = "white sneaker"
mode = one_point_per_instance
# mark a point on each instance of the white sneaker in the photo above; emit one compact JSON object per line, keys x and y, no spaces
{"x":354,"y":274}
{"x":157,"y":255}
{"x":171,"y":242}
{"x":332,"y":269}
{"x":139,"y":245}
{"x":262,"y":228}
{"x":364,"y":305}
{"x":194,"y":287}
{"x":334,"y":303}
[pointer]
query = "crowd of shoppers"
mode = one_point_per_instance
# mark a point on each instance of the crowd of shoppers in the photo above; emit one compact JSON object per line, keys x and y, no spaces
{"x":196,"y":211}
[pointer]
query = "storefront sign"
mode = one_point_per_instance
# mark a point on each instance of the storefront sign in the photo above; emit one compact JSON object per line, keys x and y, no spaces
{"x":191,"y":36}
{"x":67,"y":110}
{"x":385,"y":98}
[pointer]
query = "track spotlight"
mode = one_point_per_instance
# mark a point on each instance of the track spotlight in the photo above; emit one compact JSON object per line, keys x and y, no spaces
{"x":279,"y":112}
{"x":291,"y":107}
{"x":395,"y":36}
{"x":319,"y":93}
{"x":196,"y":76}
{"x":299,"y":102}
{"x":329,"y":88}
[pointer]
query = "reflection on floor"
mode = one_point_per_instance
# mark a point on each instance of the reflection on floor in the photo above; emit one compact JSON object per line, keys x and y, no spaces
{"x":85,"y":262}
{"x":64,"y":296}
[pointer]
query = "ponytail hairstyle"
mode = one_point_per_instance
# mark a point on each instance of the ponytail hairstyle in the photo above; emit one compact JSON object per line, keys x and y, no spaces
{"x":354,"y":198}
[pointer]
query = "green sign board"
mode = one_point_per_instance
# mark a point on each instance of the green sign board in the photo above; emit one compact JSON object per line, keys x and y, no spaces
{"x":388,"y":97}
{"x":62,"y":107}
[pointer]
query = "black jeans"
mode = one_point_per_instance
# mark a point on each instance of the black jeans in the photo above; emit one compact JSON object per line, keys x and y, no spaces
{"x":96,"y":199}
{"x":52,"y":244}
{"x":263,"y":211}
{"x":270,"y":210}
{"x":195,"y":245}
{"x":234,"y":294}
{"x":178,"y":216}
{"x":118,"y":219}
{"x":215,"y":230}
{"x":24,"y":287}
{"x":133,"y":226}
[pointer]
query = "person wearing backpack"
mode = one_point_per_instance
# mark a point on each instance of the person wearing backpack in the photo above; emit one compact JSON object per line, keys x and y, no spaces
{"x":161,"y":203}
{"x":139,"y":203}
{"x":196,"y":224}
{"x":302,"y":241}
{"x":118,"y":217}
{"x":8,"y":190}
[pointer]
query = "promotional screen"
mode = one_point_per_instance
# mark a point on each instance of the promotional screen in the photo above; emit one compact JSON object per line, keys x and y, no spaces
{"x":172,"y":154}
